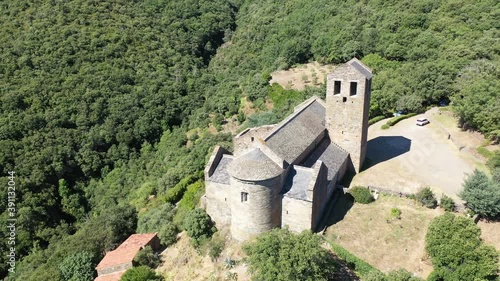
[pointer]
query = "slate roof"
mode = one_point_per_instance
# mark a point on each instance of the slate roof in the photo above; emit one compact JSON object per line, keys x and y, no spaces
{"x":292,"y":136}
{"x":359,"y":66}
{"x":254,"y":166}
{"x":297,"y":182}
{"x":330,"y":154}
{"x":221,"y":175}
{"x":126,"y":251}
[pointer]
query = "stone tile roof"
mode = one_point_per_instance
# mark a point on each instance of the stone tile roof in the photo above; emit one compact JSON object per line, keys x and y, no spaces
{"x":330,"y":154}
{"x":221,"y":174}
{"x":297,"y":182}
{"x":254,"y":166}
{"x":126,"y":251}
{"x":292,"y":136}
{"x":359,"y":66}
{"x":115,"y":276}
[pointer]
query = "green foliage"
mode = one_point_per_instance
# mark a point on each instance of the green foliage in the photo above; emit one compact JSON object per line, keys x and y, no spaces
{"x":175,"y":193}
{"x":385,"y":127}
{"x":159,"y":220}
{"x":457,"y":252}
{"x":482,"y":194}
{"x":282,"y":255}
{"x":401,"y":275}
{"x":396,"y":120}
{"x":78,"y":267}
{"x":361,"y":195}
{"x":494,"y":161}
{"x":447,"y":203}
{"x":188,"y":202}
{"x":216,"y":246}
{"x":396,"y":213}
{"x":199,"y":226}
{"x":484,"y":152}
{"x":141,"y":273}
{"x":426,"y":197}
{"x":147,"y":257}
{"x":375,"y":119}
{"x":353,"y":262}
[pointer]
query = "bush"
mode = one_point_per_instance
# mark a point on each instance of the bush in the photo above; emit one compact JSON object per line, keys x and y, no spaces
{"x":199,"y":226}
{"x":426,"y":197}
{"x":447,"y":203}
{"x":396,"y":120}
{"x":385,"y":127}
{"x":457,"y":252}
{"x":159,"y":220}
{"x":375,"y":119}
{"x":141,"y":273}
{"x":395,"y":213}
{"x":361,"y":195}
{"x":401,"y":275}
{"x":147,"y":257}
{"x":175,"y":193}
{"x":215,"y":246}
{"x":282,"y":256}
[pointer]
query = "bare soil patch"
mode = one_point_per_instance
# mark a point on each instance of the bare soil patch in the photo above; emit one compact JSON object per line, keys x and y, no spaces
{"x":297,"y":78}
{"x":490,"y":233}
{"x":368,"y":232}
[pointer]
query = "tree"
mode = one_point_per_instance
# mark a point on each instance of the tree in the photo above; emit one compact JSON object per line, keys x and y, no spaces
{"x":282,"y":255}
{"x":456,"y":250}
{"x":482,"y":195}
{"x":78,"y":267}
{"x":199,"y":226}
{"x":141,"y":273}
{"x":147,"y":257}
{"x":160,"y":220}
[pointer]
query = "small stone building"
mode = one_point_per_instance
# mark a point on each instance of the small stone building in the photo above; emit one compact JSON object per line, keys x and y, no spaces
{"x":285,"y":174}
{"x":116,"y":262}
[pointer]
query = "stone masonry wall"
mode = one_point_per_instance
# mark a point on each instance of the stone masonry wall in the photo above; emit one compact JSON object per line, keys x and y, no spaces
{"x":297,"y":214}
{"x":218,"y":206}
{"x":262,"y":210}
{"x":346,"y":114}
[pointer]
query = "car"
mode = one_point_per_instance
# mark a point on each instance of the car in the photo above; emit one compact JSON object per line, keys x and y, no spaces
{"x":422,"y":121}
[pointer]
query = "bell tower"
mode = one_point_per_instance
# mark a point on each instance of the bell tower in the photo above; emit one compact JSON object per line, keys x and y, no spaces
{"x":348,"y":93}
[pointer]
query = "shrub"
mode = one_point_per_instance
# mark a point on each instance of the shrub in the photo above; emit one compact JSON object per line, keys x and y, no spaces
{"x":215,"y":246}
{"x":361,"y":195}
{"x":147,"y":257}
{"x":396,"y":120}
{"x":175,"y":193}
{"x":447,"y":203}
{"x":376,"y":119}
{"x":395,"y":213}
{"x":140,"y":273}
{"x":426,"y":197}
{"x":385,"y":127}
{"x":401,"y":275}
{"x":199,"y":226}
{"x":159,"y":220}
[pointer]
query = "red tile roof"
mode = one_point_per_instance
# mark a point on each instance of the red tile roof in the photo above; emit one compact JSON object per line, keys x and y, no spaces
{"x":126,"y":251}
{"x":115,"y":276}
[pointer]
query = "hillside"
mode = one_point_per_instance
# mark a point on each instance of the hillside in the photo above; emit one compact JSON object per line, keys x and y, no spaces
{"x":105,"y":105}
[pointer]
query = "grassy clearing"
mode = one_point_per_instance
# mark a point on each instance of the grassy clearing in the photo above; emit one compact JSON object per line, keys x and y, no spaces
{"x":370,"y":233}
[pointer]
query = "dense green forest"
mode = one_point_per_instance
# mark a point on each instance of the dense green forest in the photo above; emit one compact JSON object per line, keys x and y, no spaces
{"x":105,"y":104}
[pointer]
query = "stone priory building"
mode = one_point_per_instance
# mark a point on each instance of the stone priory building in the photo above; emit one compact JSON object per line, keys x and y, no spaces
{"x":285,"y":174}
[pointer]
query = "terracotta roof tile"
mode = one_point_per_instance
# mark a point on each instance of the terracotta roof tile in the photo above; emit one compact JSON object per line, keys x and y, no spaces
{"x":126,"y":251}
{"x":115,"y":276}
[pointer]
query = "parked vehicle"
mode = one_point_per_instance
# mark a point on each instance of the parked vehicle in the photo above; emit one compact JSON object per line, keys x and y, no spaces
{"x":422,"y":121}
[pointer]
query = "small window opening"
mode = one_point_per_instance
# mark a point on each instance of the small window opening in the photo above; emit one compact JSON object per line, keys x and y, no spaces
{"x":354,"y":88}
{"x":336,"y":88}
{"x":225,"y":199}
{"x":244,"y":196}
{"x":251,"y":138}
{"x":287,"y":212}
{"x":344,"y":99}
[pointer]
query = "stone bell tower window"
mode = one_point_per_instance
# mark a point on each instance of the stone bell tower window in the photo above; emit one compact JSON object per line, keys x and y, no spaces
{"x":244,"y":196}
{"x":354,"y":89}
{"x":336,"y":88}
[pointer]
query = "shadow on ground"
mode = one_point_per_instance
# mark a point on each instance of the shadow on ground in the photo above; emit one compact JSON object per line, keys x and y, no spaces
{"x":384,"y":148}
{"x":336,"y":209}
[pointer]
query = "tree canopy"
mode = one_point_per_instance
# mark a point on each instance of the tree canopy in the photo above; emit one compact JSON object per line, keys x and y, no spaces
{"x":482,"y":194}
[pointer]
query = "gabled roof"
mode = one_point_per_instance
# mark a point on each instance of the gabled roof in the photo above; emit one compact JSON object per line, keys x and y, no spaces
{"x":332,"y":156}
{"x":361,"y":68}
{"x":115,"y":276}
{"x":297,"y":132}
{"x":220,"y":174}
{"x":126,"y":251}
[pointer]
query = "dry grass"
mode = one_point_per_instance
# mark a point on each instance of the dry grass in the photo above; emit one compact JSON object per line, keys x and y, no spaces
{"x":183,"y":262}
{"x":490,"y":233}
{"x":303,"y":75}
{"x":368,"y":232}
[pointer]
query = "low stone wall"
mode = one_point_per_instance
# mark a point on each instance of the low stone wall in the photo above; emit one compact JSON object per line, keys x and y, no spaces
{"x":116,"y":268}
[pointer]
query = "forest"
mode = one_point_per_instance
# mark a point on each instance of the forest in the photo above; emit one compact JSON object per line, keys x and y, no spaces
{"x":106,"y":105}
